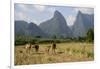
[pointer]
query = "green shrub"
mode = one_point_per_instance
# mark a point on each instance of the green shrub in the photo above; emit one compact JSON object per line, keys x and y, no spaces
{"x":90,"y":54}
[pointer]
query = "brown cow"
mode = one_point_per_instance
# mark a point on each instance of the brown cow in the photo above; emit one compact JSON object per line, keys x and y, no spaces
{"x":36,"y":46}
{"x":53,"y":48}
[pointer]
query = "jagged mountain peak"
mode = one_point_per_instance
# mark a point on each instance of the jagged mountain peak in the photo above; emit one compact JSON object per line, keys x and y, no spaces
{"x":56,"y":25}
{"x":32,"y":24}
{"x":79,"y":12}
{"x":82,"y":24}
{"x":57,"y":13}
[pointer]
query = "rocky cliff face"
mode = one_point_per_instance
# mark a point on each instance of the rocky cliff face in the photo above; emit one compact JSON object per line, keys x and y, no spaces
{"x":83,"y":23}
{"x":56,"y":26}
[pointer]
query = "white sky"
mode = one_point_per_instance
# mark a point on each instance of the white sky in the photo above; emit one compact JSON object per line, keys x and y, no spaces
{"x":40,"y":13}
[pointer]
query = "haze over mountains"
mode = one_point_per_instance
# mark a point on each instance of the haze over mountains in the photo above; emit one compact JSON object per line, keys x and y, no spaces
{"x":56,"y":26}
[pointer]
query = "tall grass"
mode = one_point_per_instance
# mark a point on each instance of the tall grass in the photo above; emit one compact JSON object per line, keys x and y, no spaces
{"x":65,"y":52}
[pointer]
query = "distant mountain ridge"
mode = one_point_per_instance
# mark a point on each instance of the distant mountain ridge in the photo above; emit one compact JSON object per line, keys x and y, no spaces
{"x":28,"y":29}
{"x":56,"y":26}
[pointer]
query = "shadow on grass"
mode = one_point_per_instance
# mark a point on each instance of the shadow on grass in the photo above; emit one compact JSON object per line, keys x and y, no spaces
{"x":39,"y":53}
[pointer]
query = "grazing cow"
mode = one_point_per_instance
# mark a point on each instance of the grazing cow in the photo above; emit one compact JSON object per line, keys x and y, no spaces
{"x":28,"y":47}
{"x":36,"y":46}
{"x":54,"y":48}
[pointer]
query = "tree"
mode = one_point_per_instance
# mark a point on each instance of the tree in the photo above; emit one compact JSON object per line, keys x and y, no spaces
{"x":81,"y":39}
{"x":38,"y":36}
{"x":90,"y":35}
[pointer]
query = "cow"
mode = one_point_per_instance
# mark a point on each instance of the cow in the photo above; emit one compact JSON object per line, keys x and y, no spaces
{"x":36,"y":46}
{"x":48,"y":48}
{"x":28,"y":47}
{"x":53,"y":48}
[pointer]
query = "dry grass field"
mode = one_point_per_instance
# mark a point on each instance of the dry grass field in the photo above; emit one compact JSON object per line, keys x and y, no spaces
{"x":65,"y":52}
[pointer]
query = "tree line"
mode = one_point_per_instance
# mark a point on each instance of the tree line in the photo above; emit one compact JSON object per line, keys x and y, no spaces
{"x":22,"y":39}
